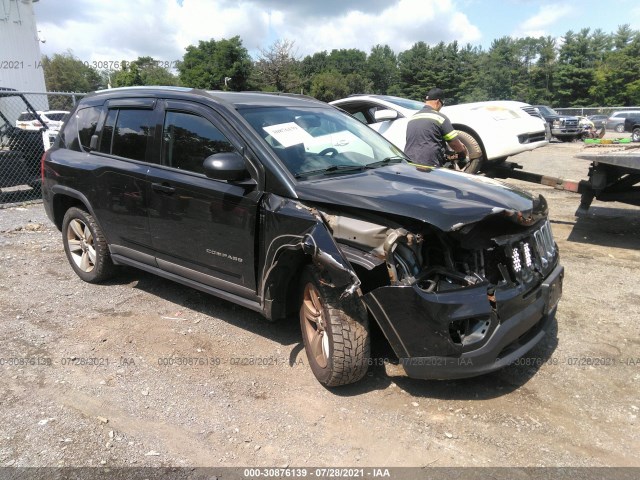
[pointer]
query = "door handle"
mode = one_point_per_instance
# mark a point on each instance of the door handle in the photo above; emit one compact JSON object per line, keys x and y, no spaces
{"x":163,"y":187}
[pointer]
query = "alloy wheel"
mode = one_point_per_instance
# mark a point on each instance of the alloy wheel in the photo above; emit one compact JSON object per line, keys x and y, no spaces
{"x":81,"y":245}
{"x":315,"y":325}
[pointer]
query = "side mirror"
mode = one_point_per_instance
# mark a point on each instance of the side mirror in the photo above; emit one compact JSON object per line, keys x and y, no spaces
{"x":228,"y":166}
{"x":387,"y":114}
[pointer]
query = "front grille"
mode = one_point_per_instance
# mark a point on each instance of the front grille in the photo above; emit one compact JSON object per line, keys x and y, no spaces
{"x":531,"y":111}
{"x":514,"y":259}
{"x":534,"y":253}
{"x":545,"y":245}
{"x":532,"y":137}
{"x":571,"y":123}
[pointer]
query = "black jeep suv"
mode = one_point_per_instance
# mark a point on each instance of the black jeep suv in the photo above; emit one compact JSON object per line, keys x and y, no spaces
{"x":290,"y":207}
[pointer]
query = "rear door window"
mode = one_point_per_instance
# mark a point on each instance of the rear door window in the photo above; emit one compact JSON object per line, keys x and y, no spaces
{"x":131,"y":133}
{"x":127,"y":132}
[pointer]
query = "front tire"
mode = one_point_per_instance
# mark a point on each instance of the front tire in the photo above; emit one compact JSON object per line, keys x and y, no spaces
{"x":86,"y":247}
{"x":476,"y":157}
{"x":620,"y":128}
{"x":335,"y":332}
{"x":635,"y":135}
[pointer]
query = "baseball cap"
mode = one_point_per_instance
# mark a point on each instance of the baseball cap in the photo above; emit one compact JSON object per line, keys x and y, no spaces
{"x":435,"y":94}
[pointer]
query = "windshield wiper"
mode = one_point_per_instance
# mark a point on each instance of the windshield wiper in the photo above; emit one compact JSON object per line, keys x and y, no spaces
{"x":331,"y":169}
{"x":386,"y":161}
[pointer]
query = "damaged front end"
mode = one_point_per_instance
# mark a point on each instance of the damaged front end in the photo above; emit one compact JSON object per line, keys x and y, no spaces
{"x":459,"y":303}
{"x":452,"y":304}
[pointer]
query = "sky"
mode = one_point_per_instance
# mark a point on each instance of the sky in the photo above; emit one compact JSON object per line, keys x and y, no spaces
{"x":113,"y":30}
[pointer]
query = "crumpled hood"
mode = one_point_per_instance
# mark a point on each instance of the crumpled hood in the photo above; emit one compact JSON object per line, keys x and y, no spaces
{"x":444,"y":198}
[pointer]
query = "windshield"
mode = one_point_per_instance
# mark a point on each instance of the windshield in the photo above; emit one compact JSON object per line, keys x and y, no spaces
{"x":404,"y":103}
{"x":547,"y":110}
{"x":320,"y":141}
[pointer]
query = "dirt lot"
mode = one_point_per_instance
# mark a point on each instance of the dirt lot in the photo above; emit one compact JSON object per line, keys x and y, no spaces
{"x":102,"y":385}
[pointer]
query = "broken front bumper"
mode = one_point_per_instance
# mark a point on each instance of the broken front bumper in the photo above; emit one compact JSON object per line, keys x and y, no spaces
{"x":418,"y":326}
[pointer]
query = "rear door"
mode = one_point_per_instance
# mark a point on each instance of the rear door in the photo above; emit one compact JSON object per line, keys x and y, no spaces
{"x":201,"y":228}
{"x":120,"y":196}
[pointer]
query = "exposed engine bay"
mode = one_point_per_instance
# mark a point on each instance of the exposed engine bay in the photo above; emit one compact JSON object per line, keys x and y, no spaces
{"x":438,"y":261}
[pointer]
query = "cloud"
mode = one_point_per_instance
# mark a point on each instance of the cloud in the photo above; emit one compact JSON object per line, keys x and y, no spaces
{"x":547,"y":16}
{"x":126,"y":29}
{"x":400,"y":25}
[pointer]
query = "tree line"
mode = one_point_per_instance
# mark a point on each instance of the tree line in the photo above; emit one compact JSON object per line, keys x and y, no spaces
{"x":581,"y":69}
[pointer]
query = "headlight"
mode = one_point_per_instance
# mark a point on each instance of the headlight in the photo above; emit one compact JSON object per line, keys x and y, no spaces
{"x":557,"y":123}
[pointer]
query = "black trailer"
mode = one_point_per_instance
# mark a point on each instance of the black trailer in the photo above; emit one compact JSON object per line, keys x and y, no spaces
{"x":614,"y":176}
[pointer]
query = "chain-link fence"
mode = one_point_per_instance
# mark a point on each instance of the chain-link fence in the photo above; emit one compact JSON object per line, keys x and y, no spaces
{"x":29,"y":123}
{"x":588,"y":111}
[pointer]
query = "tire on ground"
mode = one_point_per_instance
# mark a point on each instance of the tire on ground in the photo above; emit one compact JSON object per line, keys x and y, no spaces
{"x":619,"y":128}
{"x":86,"y":246}
{"x":340,"y":326}
{"x":476,"y":157}
{"x":635,"y":135}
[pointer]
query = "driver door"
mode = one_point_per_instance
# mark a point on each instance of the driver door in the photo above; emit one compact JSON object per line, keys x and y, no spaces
{"x":201,"y":228}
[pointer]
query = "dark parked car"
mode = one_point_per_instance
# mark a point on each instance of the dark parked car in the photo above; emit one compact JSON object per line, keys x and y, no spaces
{"x":632,"y":124}
{"x":616,"y":120}
{"x":293,"y":208}
{"x":565,"y":128}
{"x":20,"y":150}
{"x":599,"y":121}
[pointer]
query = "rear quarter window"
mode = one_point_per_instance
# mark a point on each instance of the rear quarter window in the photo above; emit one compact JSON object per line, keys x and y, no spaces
{"x":79,"y":129}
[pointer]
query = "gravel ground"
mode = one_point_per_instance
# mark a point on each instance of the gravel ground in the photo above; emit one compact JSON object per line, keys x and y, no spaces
{"x":102,"y":383}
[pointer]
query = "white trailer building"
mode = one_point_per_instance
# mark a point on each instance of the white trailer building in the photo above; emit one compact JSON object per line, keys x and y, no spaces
{"x":20,"y":60}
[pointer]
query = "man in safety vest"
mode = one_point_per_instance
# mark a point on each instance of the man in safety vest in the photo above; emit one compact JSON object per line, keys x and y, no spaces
{"x":429,"y":130}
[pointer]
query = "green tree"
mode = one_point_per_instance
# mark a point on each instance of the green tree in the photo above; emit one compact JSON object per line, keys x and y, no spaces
{"x":208,"y":64}
{"x":616,"y":79}
{"x":542,"y":72}
{"x":347,"y":61}
{"x":415,"y":66}
{"x":312,"y":65}
{"x":65,"y":73}
{"x":504,"y":69}
{"x":143,"y":71}
{"x":382,"y":68}
{"x":574,"y":74}
{"x":447,"y":66}
{"x":329,"y":86}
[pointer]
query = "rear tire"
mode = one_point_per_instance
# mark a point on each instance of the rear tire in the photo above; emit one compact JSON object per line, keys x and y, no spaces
{"x":335,"y":332}
{"x":619,"y":128}
{"x":476,"y":157}
{"x":86,"y":247}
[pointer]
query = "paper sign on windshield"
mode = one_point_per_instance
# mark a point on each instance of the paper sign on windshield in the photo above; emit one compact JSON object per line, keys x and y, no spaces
{"x":288,"y":134}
